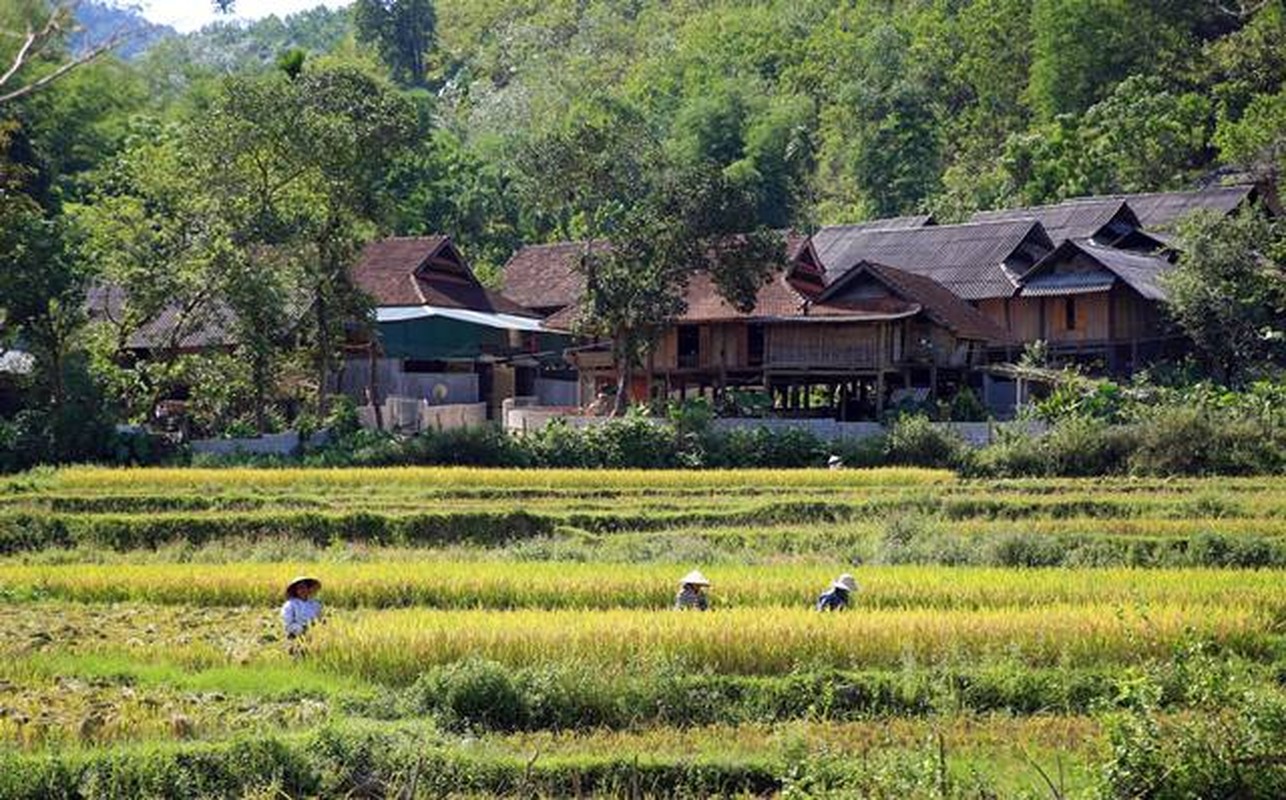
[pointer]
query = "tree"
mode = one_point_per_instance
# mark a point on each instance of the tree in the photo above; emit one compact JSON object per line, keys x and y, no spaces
{"x":648,"y":228}
{"x":40,"y":42}
{"x":252,"y":213}
{"x":1228,"y":292}
{"x":402,"y":31}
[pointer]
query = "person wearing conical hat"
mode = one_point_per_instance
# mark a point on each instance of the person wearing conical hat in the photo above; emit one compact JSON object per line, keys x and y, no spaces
{"x":692,"y":593}
{"x":836,"y":596}
{"x":301,"y":609}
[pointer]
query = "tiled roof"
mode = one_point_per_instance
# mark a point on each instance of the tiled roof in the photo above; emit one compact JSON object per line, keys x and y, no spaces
{"x":546,"y":276}
{"x":944,"y":307}
{"x":1074,"y":219}
{"x":967,"y":259}
{"x":425,"y":270}
{"x":779,"y":297}
{"x":208,"y":326}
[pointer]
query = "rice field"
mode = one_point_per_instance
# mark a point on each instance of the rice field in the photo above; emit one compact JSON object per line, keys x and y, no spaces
{"x":492,"y":632}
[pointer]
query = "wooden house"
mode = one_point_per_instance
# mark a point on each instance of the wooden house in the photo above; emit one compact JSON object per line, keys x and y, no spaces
{"x":838,"y":348}
{"x":441,"y":336}
{"x":1088,"y":301}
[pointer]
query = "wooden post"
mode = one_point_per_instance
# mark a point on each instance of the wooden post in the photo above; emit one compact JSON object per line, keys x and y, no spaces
{"x":879,"y":393}
{"x":373,"y":385}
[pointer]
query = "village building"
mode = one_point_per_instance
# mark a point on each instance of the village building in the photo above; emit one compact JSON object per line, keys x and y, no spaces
{"x":843,"y":348}
{"x":845,"y":326}
{"x":443,"y":339}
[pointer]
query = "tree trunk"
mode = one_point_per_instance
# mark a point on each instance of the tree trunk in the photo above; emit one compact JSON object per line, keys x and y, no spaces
{"x":624,"y":372}
{"x":323,"y":349}
{"x":260,"y":371}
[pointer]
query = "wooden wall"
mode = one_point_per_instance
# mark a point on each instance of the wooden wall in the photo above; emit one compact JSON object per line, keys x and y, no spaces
{"x":822,"y":345}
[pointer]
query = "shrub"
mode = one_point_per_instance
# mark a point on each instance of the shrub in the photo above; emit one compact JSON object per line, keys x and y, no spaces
{"x":473,"y":693}
{"x":913,"y":440}
{"x":966,"y":407}
{"x":1082,"y":447}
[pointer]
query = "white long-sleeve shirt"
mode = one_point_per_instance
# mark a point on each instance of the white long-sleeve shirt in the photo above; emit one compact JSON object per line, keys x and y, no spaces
{"x":298,"y":614}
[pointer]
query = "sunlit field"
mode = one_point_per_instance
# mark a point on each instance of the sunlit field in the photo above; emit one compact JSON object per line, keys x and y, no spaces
{"x":510,"y":632}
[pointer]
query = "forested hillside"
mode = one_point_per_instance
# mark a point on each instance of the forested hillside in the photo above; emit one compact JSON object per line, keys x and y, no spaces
{"x":831,"y":111}
{"x":234,"y":173}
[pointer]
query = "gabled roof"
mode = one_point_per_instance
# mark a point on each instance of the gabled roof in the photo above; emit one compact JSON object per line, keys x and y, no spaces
{"x":425,"y":271}
{"x":935,"y":299}
{"x":1105,"y":220}
{"x":968,"y":260}
{"x":207,"y":326}
{"x":547,"y":277}
{"x":1163,"y":210}
{"x":1142,"y":272}
{"x":780,"y":296}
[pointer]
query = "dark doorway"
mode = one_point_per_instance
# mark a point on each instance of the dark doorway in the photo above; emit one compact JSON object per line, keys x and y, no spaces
{"x":689,"y":346}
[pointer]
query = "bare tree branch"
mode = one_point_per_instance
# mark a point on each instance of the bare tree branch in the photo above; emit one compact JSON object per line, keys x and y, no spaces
{"x":1242,"y":9}
{"x":34,"y":43}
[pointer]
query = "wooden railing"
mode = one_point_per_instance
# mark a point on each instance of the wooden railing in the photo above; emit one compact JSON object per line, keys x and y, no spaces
{"x":846,"y":355}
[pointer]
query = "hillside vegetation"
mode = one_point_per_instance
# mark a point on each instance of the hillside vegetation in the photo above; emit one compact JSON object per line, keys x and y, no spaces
{"x":834,"y":112}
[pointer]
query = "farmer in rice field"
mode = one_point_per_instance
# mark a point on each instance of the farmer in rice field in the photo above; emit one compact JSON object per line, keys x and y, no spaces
{"x":300,"y":609}
{"x":836,"y":598}
{"x":692,"y":592}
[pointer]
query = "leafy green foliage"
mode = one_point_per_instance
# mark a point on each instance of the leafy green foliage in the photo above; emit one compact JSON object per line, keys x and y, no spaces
{"x":402,"y":32}
{"x":1228,"y":293}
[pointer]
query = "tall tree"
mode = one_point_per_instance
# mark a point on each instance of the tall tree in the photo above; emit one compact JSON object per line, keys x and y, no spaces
{"x":1229,"y":292}
{"x":648,"y":228}
{"x":402,"y":31}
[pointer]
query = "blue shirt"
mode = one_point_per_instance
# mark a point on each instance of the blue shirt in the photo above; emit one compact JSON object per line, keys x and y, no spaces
{"x":689,"y":598}
{"x":834,"y":599}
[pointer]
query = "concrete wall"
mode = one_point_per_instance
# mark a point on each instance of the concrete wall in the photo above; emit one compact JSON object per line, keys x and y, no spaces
{"x":527,"y":419}
{"x":272,"y":444}
{"x":412,"y":415}
{"x":436,"y":388}
{"x":557,"y":393}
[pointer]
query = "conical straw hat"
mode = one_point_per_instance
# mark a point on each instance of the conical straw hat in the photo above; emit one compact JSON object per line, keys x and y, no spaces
{"x":302,"y":579}
{"x":695,"y":578}
{"x":845,"y":582}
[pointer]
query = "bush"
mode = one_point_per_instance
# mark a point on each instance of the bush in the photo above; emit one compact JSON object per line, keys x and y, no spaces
{"x":473,"y":693}
{"x":914,"y":441}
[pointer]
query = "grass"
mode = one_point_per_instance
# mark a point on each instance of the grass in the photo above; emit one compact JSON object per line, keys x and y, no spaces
{"x":508,"y":632}
{"x":430,"y":582}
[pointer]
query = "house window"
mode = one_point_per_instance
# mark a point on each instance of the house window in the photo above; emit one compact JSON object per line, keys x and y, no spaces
{"x":689,"y":346}
{"x":755,"y":345}
{"x":1069,"y":307}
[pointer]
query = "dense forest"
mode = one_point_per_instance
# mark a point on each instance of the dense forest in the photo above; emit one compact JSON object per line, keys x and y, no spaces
{"x":831,"y":112}
{"x":412,"y":117}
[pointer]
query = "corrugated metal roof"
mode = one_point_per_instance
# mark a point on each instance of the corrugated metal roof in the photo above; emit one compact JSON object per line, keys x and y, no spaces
{"x":209,"y":325}
{"x":1073,"y":219}
{"x":967,"y":259}
{"x":490,"y":320}
{"x":1142,"y":272}
{"x":1163,"y":210}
